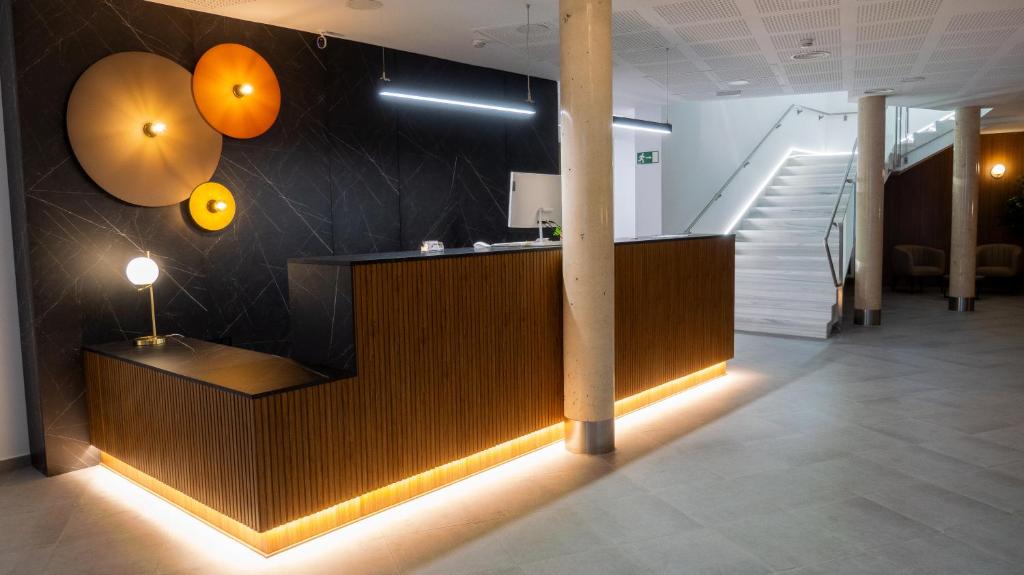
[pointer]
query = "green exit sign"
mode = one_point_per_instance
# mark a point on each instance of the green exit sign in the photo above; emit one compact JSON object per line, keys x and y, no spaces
{"x":648,"y":157}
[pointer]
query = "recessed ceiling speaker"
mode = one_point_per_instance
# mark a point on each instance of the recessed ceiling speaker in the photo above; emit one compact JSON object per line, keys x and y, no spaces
{"x":135,"y":129}
{"x":236,"y":91}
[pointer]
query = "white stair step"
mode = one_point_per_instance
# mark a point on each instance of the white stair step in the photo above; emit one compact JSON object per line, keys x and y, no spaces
{"x":797,"y":224}
{"x":796,"y":200}
{"x":781,"y":236}
{"x":836,"y":171}
{"x":808,"y":263}
{"x":821,"y":313}
{"x":796,"y":276}
{"x":777,"y":189}
{"x":790,"y":249}
{"x":810,"y":329}
{"x":817,"y":293}
{"x":826,"y":178}
{"x":819,"y":160}
{"x":823,"y":211}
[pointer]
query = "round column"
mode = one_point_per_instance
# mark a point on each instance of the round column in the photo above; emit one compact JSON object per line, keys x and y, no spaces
{"x":870,"y":205}
{"x":966,"y":171}
{"x":588,"y":250}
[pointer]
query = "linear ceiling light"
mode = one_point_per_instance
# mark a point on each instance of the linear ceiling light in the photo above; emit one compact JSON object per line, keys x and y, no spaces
{"x":642,"y":125}
{"x":510,"y":109}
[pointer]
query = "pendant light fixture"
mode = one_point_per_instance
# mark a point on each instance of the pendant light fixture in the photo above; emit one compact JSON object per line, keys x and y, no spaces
{"x":646,"y":125}
{"x":457,"y":101}
{"x":529,"y":61}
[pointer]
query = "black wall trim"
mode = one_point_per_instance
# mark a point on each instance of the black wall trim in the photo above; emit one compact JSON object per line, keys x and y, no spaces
{"x":15,"y":463}
{"x":23,"y":276}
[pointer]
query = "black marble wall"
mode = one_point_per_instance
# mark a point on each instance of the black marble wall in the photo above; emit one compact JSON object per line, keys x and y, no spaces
{"x":340,"y":172}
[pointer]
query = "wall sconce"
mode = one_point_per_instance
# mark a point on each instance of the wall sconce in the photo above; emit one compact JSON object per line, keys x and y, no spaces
{"x":154,"y":129}
{"x":143,"y":272}
{"x":136,"y":132}
{"x":212,"y":206}
{"x":998,"y":171}
{"x":236,"y":90}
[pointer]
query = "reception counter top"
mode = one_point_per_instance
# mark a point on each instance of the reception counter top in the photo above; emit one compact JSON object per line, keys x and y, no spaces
{"x":231,"y":369}
{"x":454,"y":365}
{"x":355,"y":259}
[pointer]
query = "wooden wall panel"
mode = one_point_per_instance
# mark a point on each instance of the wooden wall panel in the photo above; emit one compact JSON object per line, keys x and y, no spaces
{"x":673,"y":310}
{"x":918,"y":202}
{"x":195,"y":438}
{"x":456,"y":355}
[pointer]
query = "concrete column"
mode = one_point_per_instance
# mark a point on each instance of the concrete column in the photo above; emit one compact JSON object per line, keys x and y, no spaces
{"x":588,"y":250}
{"x":966,"y":171}
{"x":870,"y":204}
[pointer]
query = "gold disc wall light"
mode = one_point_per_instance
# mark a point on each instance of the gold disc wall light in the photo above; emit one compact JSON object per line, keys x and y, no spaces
{"x":212,"y":206}
{"x":236,"y":91}
{"x":135,"y":129}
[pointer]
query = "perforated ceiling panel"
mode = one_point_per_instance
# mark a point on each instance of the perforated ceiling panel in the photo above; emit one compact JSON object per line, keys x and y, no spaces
{"x":928,"y":51}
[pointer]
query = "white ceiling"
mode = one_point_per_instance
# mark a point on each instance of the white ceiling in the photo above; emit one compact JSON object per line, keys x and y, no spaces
{"x":968,"y":51}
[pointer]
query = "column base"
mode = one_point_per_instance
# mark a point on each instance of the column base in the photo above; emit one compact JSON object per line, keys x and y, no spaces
{"x":867,"y":317}
{"x":590,"y":437}
{"x":959,"y":303}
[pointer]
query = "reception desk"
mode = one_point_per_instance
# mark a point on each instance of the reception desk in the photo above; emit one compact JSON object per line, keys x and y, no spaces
{"x":416,"y":371}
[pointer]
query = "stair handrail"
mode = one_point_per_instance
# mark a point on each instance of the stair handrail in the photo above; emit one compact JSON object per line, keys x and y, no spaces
{"x":838,"y":278}
{"x":746,"y":161}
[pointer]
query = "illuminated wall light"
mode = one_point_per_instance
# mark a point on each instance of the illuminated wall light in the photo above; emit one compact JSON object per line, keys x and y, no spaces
{"x":154,"y":129}
{"x":242,"y":90}
{"x":509,"y":109}
{"x":305,"y":530}
{"x":998,"y":171}
{"x":642,"y":125}
{"x":216,"y":206}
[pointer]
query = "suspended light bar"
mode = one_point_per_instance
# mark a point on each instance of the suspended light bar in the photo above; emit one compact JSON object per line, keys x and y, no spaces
{"x":641,"y":125}
{"x":510,"y":109}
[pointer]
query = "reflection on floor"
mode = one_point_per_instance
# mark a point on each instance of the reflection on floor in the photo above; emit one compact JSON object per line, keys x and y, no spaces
{"x":892,"y":450}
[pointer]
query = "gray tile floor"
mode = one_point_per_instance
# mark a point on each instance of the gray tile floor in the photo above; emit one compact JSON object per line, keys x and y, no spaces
{"x":892,"y":450}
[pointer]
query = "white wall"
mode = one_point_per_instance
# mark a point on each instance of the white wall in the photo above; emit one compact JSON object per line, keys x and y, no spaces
{"x":638,"y":188}
{"x":710,"y":139}
{"x":624,"y":182}
{"x":13,"y":420}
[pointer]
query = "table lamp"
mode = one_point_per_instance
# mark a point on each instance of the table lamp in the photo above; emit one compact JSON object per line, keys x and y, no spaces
{"x":143,"y":271}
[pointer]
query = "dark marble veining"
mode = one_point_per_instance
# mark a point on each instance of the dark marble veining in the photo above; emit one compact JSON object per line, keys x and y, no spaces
{"x":340,"y":172}
{"x":322,"y":316}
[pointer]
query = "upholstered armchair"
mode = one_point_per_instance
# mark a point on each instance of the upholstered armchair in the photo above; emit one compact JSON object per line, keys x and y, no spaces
{"x":1000,"y":262}
{"x":914,"y":263}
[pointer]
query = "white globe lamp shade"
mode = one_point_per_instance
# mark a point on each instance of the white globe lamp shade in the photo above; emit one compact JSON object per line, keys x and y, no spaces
{"x":142,"y":271}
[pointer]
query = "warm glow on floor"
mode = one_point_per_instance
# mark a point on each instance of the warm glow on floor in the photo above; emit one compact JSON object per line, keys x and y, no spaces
{"x":219,"y":535}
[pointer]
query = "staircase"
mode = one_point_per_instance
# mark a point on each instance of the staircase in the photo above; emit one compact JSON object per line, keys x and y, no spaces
{"x":784,"y":284}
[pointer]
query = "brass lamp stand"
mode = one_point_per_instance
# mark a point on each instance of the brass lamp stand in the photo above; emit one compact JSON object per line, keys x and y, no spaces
{"x":143,"y":272}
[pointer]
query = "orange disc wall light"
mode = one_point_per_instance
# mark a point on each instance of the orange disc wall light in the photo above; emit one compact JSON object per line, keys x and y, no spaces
{"x":236,"y":91}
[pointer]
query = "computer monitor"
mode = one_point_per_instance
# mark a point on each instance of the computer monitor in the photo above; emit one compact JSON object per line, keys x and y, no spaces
{"x":535,"y":200}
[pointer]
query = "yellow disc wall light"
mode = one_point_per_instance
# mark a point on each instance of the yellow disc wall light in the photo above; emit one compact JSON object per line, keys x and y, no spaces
{"x":212,"y":206}
{"x":136,"y":131}
{"x":236,"y":91}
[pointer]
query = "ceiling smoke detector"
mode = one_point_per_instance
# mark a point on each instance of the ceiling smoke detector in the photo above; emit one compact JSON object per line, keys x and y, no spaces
{"x":364,"y":4}
{"x":479,"y":42}
{"x":811,"y":55}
